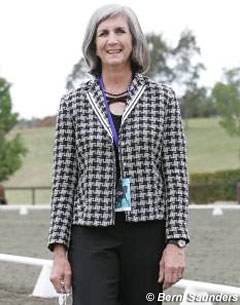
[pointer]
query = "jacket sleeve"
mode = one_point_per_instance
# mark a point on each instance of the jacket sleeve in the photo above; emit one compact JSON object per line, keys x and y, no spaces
{"x":175,"y":173}
{"x":64,"y":178}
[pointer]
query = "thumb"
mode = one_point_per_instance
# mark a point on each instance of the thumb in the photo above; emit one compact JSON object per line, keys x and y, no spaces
{"x":67,"y":279}
{"x":67,"y":283}
{"x":161,"y":272}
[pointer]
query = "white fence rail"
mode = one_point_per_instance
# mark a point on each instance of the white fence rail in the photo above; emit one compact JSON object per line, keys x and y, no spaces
{"x":203,"y":293}
{"x":217,"y":208}
{"x":44,"y":288}
{"x":226,"y":206}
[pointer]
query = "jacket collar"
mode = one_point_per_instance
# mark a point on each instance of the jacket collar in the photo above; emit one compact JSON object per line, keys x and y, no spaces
{"x":95,"y":97}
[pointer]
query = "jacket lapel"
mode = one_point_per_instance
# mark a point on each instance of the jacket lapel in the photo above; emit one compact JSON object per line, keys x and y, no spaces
{"x":136,"y":90}
{"x":95,"y":98}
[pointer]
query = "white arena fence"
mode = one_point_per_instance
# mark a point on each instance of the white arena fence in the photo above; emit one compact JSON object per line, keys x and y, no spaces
{"x":44,"y":289}
{"x":217,"y":208}
{"x":202,"y":290}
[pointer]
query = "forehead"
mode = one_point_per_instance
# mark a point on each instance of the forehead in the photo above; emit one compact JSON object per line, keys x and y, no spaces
{"x":113,"y":22}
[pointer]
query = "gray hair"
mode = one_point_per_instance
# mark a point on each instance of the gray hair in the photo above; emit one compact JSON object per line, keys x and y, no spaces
{"x":140,"y":55}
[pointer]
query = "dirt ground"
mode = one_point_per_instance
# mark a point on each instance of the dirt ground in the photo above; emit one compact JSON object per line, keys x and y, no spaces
{"x":212,"y":256}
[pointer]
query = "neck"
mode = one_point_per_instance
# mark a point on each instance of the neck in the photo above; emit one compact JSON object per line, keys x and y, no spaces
{"x":116,"y":81}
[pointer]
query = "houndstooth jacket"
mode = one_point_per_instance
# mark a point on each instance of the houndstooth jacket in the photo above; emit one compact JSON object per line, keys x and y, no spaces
{"x":152,"y":152}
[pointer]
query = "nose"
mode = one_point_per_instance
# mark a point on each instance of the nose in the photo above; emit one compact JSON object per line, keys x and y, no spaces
{"x":112,"y":38}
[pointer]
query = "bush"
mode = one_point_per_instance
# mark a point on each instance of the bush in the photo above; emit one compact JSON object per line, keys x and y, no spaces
{"x":216,"y":186}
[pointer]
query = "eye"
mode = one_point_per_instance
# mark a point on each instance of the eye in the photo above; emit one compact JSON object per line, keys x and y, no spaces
{"x":120,"y":31}
{"x":102,"y":34}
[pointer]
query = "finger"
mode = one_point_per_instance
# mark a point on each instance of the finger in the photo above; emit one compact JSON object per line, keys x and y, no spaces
{"x":58,"y":275}
{"x":182,"y":271}
{"x":58,"y":284}
{"x":168,"y":278}
{"x":161,"y":272}
{"x":178,"y":275}
{"x":175,"y":277}
{"x":62,"y":285}
{"x":161,"y":276}
{"x":68,"y":282}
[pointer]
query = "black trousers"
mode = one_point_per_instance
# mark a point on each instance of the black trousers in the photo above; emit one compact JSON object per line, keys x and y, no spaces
{"x":116,"y":265}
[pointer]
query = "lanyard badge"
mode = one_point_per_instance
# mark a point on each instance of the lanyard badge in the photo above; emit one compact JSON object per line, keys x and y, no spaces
{"x":123,"y":193}
{"x":123,"y":198}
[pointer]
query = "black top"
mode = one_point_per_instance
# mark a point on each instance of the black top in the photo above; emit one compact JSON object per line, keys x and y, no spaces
{"x":112,"y":98}
{"x":117,"y":122}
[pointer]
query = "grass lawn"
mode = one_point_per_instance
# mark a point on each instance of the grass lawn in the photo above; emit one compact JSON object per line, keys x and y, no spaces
{"x":209,"y":149}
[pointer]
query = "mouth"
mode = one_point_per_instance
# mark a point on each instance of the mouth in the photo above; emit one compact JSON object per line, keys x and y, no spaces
{"x":116,"y":51}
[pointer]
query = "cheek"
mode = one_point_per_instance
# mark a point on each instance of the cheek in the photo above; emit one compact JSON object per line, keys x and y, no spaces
{"x":130,"y":43}
{"x":130,"y":46}
{"x":97,"y":51}
{"x":98,"y":47}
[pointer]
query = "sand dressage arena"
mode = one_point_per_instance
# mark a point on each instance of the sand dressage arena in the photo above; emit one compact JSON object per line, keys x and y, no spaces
{"x":213,"y":255}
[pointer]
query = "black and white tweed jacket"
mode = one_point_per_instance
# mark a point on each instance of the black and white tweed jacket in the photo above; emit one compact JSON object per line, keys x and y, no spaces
{"x":152,"y":154}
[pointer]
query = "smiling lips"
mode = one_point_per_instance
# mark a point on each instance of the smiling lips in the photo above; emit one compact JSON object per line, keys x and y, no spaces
{"x":113,"y":51}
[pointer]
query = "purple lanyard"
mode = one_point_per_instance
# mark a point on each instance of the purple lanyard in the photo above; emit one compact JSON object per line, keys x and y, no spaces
{"x":112,"y":126}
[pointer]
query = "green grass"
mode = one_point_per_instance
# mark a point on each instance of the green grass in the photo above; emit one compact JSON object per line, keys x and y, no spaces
{"x":36,"y":169}
{"x":210,"y":149}
{"x":37,"y":166}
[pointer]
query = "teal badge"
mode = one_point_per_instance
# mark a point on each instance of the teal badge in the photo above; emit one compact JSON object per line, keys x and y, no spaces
{"x":123,"y":196}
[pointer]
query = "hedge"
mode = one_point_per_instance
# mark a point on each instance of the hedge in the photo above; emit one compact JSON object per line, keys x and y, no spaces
{"x":216,"y":186}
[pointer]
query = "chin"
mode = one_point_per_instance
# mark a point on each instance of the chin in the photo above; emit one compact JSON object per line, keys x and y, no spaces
{"x":115,"y":63}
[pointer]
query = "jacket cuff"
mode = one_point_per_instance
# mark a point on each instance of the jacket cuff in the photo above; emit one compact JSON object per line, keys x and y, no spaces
{"x":53,"y":242}
{"x":177,"y":234}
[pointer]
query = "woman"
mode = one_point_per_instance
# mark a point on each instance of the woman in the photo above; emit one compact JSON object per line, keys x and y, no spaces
{"x":120,"y":188}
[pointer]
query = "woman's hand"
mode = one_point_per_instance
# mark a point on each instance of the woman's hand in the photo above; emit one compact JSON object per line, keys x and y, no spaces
{"x":171,"y":266}
{"x":61,"y":270}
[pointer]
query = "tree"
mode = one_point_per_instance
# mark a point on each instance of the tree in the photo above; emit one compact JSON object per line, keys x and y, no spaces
{"x":160,"y":54}
{"x":178,"y":66}
{"x":198,"y":102}
{"x":227,"y":97}
{"x":174,"y":63}
{"x":78,"y":74}
{"x":11,"y":150}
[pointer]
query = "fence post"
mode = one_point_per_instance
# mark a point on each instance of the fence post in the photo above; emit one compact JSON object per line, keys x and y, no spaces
{"x":238,"y":192}
{"x":2,"y":195}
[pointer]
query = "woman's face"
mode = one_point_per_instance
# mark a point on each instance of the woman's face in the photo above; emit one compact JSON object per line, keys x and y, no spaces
{"x":114,"y":42}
